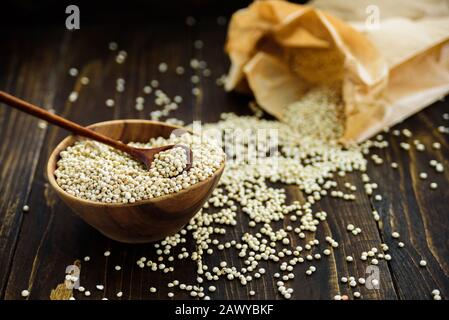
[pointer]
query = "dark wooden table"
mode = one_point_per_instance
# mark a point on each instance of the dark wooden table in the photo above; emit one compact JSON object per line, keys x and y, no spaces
{"x":36,"y":247}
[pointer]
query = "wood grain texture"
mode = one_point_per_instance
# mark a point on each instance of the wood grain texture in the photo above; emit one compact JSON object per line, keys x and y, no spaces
{"x":35,"y":248}
{"x":25,"y":73}
{"x":414,"y":210}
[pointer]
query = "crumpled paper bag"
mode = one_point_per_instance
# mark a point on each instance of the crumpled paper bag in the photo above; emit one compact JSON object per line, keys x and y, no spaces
{"x":279,"y":50}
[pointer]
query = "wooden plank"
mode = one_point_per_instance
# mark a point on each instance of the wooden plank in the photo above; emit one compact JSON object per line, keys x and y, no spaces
{"x":411,"y":208}
{"x":58,"y":226}
{"x":26,"y":70}
{"x":46,"y":231}
{"x":340,"y":214}
{"x":207,"y":107}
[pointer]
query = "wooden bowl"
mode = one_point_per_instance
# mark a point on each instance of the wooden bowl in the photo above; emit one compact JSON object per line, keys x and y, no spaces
{"x":142,"y":221}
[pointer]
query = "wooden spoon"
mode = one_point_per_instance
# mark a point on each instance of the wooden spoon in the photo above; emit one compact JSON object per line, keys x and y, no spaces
{"x":145,"y":156}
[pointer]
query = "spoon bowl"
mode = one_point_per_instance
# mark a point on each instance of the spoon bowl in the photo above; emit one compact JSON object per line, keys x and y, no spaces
{"x":142,"y":221}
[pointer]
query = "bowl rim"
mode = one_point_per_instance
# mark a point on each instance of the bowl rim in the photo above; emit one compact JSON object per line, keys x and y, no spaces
{"x":63,"y":144}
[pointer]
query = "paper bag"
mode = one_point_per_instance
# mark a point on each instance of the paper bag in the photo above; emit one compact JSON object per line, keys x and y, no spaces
{"x":280,"y":50}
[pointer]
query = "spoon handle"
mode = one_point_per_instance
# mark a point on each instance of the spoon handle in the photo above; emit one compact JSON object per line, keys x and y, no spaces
{"x":62,"y":122}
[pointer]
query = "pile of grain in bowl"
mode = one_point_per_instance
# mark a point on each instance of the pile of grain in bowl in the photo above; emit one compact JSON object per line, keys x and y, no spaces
{"x":97,"y":172}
